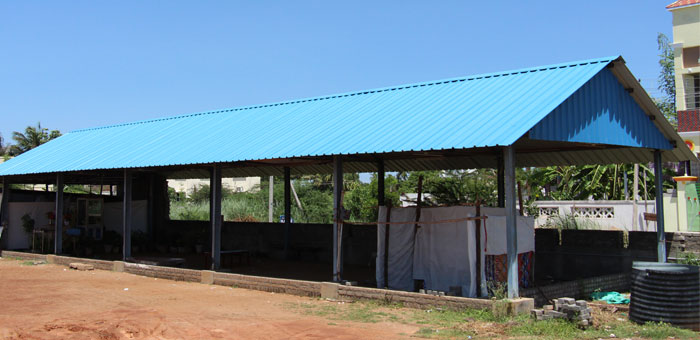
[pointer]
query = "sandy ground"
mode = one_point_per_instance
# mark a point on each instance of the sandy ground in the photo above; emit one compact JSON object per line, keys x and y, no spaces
{"x":53,"y":302}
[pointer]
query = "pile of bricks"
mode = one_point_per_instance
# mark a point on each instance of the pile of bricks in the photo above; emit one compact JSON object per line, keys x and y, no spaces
{"x":566,"y":308}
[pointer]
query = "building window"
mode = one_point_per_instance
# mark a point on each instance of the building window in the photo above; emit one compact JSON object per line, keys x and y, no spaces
{"x":692,"y":92}
{"x":691,"y":57}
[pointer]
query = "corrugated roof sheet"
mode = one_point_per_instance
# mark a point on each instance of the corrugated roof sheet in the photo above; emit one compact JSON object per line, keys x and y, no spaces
{"x":476,"y":111}
{"x":602,"y":112}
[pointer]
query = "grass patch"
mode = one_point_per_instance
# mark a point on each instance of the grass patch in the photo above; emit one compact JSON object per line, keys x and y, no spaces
{"x":482,"y":323}
{"x":13,"y":258}
{"x":430,"y":333}
{"x":32,"y":263}
{"x":660,"y":330}
{"x":357,"y":312}
{"x":547,"y":329}
{"x":622,"y":328}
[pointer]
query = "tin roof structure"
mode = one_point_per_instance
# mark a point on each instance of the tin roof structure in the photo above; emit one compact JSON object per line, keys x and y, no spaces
{"x":583,"y":112}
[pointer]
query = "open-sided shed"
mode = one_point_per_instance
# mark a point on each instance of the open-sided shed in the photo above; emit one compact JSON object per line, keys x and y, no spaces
{"x":585,"y":112}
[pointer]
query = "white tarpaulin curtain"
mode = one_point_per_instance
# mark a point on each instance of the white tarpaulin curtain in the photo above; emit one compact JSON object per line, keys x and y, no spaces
{"x":445,"y":253}
{"x":400,"y":249}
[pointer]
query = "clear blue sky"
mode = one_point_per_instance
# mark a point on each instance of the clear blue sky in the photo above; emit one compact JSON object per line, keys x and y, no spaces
{"x":78,"y":64}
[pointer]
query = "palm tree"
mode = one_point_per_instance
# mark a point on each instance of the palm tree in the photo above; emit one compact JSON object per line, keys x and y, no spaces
{"x":32,"y":137}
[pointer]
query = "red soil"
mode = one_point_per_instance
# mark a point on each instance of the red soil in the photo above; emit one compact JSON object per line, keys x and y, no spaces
{"x":53,"y":302}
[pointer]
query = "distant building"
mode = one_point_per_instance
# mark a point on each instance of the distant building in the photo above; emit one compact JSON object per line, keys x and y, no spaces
{"x":235,"y":184}
{"x":686,"y":45}
{"x":410,"y":199}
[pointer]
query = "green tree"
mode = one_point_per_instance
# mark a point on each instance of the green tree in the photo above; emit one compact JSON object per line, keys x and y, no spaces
{"x":600,"y":182}
{"x":32,"y":137}
{"x":362,"y":201}
{"x":453,"y":187}
{"x":667,"y":80}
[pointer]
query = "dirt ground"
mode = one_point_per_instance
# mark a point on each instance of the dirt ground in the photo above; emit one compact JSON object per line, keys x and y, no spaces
{"x":53,"y":302}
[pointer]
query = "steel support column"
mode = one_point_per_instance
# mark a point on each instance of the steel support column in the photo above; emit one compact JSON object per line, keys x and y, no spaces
{"x":287,"y":208}
{"x":660,"y":232}
{"x":215,"y":218}
{"x":511,"y":230}
{"x":126,"y":230}
{"x":58,"y":232}
{"x":150,"y":207}
{"x":380,"y":183}
{"x":4,"y":204}
{"x":500,"y":182}
{"x":4,"y":211}
{"x":337,"y":218}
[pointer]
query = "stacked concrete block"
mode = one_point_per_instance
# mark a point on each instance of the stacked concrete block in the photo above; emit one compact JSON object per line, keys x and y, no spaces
{"x":566,"y":308}
{"x":432,"y":292}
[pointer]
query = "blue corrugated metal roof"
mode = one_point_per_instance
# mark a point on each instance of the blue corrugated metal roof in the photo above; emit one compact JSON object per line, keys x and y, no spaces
{"x":477,"y":111}
{"x":602,"y":112}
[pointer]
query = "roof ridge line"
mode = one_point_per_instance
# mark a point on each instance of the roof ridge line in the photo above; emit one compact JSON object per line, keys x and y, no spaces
{"x":363,"y":92}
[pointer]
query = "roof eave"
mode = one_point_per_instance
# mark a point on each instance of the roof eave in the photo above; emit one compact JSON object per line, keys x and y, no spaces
{"x":625,"y":76}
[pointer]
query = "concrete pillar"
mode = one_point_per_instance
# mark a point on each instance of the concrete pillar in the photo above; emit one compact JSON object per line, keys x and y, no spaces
{"x":126,"y":227}
{"x":660,"y":232}
{"x":511,"y":227}
{"x":337,"y":218}
{"x":215,"y":218}
{"x":58,"y":232}
{"x":683,"y":199}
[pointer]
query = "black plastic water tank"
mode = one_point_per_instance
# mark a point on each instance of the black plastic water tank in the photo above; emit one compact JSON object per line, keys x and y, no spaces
{"x":667,"y":292}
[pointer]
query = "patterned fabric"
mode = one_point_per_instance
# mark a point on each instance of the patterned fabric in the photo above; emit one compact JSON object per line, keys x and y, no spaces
{"x":496,"y":269}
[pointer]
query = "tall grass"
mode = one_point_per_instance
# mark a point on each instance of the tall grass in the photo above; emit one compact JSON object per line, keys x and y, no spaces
{"x":253,"y":207}
{"x":570,"y":222}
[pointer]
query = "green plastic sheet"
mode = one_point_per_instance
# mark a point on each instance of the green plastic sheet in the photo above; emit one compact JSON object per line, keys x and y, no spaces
{"x":611,"y":297}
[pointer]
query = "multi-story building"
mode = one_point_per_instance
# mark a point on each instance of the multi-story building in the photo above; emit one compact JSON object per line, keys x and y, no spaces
{"x":686,"y":45}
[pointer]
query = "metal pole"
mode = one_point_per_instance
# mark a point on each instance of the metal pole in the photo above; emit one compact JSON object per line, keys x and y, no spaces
{"x":624,"y":178}
{"x":380,"y":183}
{"x":381,"y":200}
{"x":4,"y":204}
{"x":215,"y":218}
{"x":635,"y":198}
{"x":337,"y":218}
{"x":58,"y":232}
{"x":149,"y":205}
{"x":511,"y":229}
{"x":660,"y":232}
{"x":287,"y":208}
{"x":501,"y":183}
{"x":271,"y":197}
{"x":126,"y":231}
